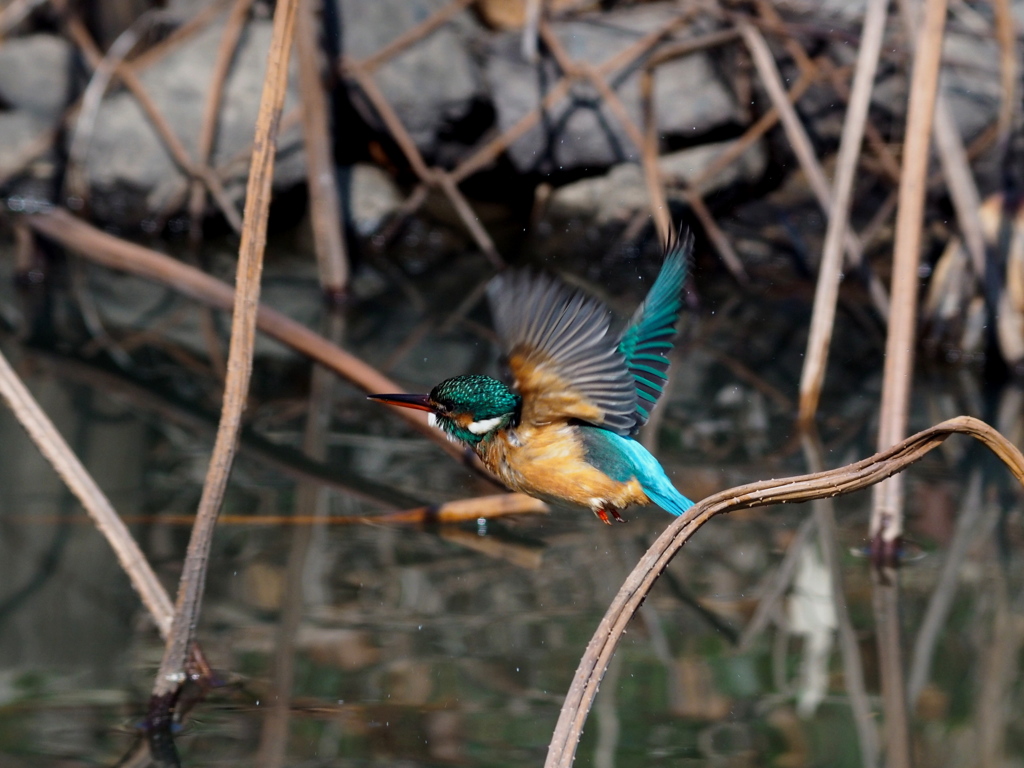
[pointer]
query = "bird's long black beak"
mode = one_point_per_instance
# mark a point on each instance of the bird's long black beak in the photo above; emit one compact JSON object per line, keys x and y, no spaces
{"x":419,"y":402}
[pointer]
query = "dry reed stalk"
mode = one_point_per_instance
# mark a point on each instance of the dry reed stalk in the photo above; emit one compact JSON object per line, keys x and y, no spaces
{"x":171,"y":674}
{"x":1005,"y":31}
{"x":446,"y":513}
{"x":324,"y":200}
{"x":886,"y":526}
{"x":955,"y":165}
{"x":887,"y":514}
{"x":849,"y":644}
{"x":56,"y":450}
{"x":834,"y":482}
{"x":826,"y":292}
{"x":649,"y":158}
{"x":467,"y":510}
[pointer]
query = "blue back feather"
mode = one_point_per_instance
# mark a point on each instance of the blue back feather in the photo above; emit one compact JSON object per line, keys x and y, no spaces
{"x":622,"y":458}
{"x":647,"y":340}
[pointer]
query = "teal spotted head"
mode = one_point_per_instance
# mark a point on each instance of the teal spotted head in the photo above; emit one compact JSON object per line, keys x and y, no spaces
{"x":467,"y":408}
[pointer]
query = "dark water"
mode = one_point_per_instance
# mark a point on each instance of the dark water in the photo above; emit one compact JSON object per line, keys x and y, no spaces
{"x":363,"y":644}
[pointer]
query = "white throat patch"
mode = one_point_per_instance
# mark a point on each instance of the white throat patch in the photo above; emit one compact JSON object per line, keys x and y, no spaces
{"x":484,"y":426}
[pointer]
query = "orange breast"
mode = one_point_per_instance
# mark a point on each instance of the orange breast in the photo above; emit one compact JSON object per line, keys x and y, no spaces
{"x":548,"y":462}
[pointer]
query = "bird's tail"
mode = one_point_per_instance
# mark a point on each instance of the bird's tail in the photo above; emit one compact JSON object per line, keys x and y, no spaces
{"x":665,"y":495}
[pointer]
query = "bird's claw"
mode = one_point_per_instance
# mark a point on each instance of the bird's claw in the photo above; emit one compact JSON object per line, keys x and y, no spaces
{"x":602,"y":515}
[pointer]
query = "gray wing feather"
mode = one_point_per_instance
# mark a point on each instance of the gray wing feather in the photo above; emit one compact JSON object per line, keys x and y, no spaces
{"x":569,"y":332}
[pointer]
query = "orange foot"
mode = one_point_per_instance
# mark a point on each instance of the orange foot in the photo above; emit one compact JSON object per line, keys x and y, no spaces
{"x":603,"y":515}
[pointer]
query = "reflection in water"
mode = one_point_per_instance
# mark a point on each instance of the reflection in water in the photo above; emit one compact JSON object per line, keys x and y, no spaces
{"x":384,"y":645}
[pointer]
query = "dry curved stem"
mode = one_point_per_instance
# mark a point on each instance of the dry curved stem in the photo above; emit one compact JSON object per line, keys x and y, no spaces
{"x":171,"y":674}
{"x":833,"y":482}
{"x":56,"y":450}
{"x":324,"y":200}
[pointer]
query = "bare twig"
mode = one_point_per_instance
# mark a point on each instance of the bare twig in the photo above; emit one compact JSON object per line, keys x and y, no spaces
{"x":638,"y":584}
{"x":827,"y":290}
{"x":171,"y":674}
{"x":56,"y":450}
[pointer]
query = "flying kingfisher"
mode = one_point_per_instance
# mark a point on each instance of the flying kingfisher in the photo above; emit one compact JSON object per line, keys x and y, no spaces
{"x":564,"y":430}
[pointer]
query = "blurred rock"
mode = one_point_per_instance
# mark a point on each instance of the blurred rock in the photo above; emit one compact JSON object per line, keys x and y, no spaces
{"x":431,"y":84}
{"x":969,"y":83}
{"x":622,"y":191}
{"x":129,"y":169}
{"x":20,"y":130}
{"x":690,"y":99}
{"x":35,"y":75}
{"x":371,"y":196}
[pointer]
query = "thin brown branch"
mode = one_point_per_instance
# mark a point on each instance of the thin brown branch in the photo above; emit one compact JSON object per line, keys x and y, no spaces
{"x":171,"y":674}
{"x":637,"y":585}
{"x":56,"y":450}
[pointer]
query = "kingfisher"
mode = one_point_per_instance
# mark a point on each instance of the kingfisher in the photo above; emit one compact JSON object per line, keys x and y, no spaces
{"x":564,"y":428}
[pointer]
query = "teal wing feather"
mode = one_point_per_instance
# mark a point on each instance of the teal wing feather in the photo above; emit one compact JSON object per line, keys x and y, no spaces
{"x":647,"y":340}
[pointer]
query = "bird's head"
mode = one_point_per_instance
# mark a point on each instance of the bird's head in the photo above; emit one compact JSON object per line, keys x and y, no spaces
{"x":467,"y":408}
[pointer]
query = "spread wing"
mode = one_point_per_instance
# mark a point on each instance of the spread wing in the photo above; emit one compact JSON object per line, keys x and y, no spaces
{"x":647,"y":340}
{"x":563,"y":361}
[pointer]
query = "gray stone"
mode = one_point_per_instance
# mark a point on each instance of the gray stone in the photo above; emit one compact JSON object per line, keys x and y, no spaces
{"x":35,"y":75}
{"x":20,"y":130}
{"x":685,"y":166}
{"x":371,"y":196}
{"x":128,"y":160}
{"x":579,"y":131}
{"x":970,"y":80}
{"x":431,"y":83}
{"x":969,"y":84}
{"x":618,"y":194}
